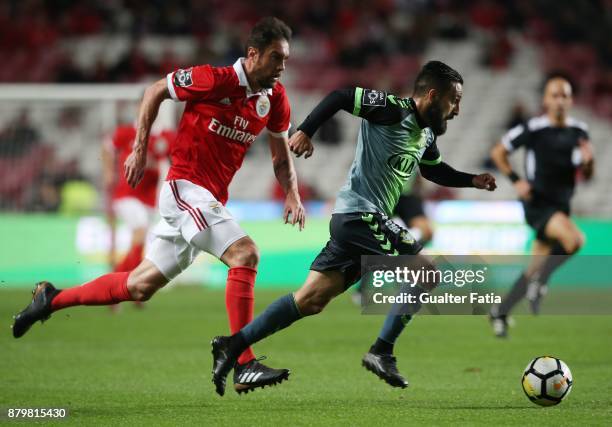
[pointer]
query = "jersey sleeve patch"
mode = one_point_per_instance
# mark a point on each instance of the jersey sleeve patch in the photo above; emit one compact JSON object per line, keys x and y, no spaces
{"x":373,"y":98}
{"x":183,"y":78}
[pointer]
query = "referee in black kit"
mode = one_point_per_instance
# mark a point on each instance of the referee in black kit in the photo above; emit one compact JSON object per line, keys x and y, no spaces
{"x":556,"y":147}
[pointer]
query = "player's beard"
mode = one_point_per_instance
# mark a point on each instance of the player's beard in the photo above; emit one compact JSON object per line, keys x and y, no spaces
{"x":266,"y":82}
{"x":435,"y":119}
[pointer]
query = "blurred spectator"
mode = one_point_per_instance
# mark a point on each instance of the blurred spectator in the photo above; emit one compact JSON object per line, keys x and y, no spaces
{"x":19,"y":137}
{"x":497,"y":51}
{"x":518,"y":115}
{"x":22,"y":157}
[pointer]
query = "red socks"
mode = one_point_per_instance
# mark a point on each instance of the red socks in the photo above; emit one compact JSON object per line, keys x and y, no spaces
{"x":131,"y":259}
{"x":108,"y":289}
{"x":239,"y":300}
{"x":112,"y":289}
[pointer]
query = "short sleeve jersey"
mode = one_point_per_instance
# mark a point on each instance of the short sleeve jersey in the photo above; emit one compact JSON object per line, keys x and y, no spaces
{"x":222,"y":118}
{"x":392,"y":142}
{"x":552,"y":155}
{"x":122,"y":142}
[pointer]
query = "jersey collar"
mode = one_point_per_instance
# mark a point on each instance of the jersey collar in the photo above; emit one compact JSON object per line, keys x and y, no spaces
{"x":243,"y":81}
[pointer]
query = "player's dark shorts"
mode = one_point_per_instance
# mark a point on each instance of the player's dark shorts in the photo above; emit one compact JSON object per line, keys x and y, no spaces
{"x":538,"y":212}
{"x":362,"y":233}
{"x":409,"y":206}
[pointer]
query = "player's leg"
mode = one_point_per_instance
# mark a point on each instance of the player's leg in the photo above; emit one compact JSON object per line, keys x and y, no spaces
{"x":227,"y":241}
{"x":566,"y":239}
{"x":136,"y":216}
{"x":380,"y":359}
{"x":310,"y":299}
{"x":137,"y":285}
{"x":499,"y":314}
{"x":208,"y":226}
{"x":539,"y":250}
{"x":242,"y":258}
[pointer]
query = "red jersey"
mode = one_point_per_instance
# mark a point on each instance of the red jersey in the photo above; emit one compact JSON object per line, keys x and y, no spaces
{"x":158,"y":148}
{"x":222,"y":118}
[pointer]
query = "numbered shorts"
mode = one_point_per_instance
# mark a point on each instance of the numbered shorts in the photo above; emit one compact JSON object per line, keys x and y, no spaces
{"x":362,"y":233}
{"x":188,"y":210}
{"x":133,"y":213}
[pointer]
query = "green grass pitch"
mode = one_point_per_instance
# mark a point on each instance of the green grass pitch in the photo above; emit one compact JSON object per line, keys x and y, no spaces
{"x":152,"y":367}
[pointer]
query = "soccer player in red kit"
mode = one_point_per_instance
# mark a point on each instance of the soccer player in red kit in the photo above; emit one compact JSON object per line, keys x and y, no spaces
{"x":134,"y":207}
{"x":226,"y":108}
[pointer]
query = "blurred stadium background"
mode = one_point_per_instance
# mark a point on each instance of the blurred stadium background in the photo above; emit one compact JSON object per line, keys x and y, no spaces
{"x":74,"y":70}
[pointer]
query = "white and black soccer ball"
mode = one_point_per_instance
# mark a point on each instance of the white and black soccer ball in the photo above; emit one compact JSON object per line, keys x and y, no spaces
{"x":547,"y":381}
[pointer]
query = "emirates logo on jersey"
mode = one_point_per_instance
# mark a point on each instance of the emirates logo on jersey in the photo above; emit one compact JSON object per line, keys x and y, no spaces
{"x":232,"y":133}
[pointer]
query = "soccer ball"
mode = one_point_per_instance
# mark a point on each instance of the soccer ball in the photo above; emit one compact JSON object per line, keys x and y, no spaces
{"x":547,"y":381}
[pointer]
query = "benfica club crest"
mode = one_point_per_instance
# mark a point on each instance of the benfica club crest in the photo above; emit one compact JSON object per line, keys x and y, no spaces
{"x":263,"y":106}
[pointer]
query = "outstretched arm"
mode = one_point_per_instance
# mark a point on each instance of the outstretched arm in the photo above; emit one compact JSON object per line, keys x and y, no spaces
{"x":444,"y":174}
{"x":149,"y":107}
{"x":372,"y":105}
{"x":287,"y":178}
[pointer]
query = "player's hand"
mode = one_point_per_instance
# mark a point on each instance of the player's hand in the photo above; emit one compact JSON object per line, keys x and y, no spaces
{"x":294,"y":210}
{"x":523,"y":189}
{"x":134,"y":168}
{"x":484,"y":181}
{"x":300,"y":143}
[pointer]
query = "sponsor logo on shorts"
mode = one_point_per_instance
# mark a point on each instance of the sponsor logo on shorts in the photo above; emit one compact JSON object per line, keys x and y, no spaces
{"x":215,"y":207}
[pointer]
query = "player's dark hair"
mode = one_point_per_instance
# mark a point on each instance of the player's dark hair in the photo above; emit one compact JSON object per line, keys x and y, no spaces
{"x":557,"y":74}
{"x":266,"y":31}
{"x":436,"y":75}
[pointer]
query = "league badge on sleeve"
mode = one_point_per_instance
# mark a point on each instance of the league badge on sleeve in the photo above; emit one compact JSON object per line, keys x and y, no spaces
{"x":374,"y":98}
{"x":263,"y":106}
{"x":182,"y":78}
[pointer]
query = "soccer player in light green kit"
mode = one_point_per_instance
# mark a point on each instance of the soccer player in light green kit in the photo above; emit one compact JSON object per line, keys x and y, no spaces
{"x":395,"y":137}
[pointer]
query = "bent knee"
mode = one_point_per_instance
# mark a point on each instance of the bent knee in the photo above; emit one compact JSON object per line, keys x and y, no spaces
{"x":245,"y":256}
{"x":573,"y":244}
{"x":250,"y":257}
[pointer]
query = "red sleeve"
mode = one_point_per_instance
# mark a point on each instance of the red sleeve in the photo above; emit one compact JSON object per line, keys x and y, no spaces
{"x":202,"y":82}
{"x":280,"y":114}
